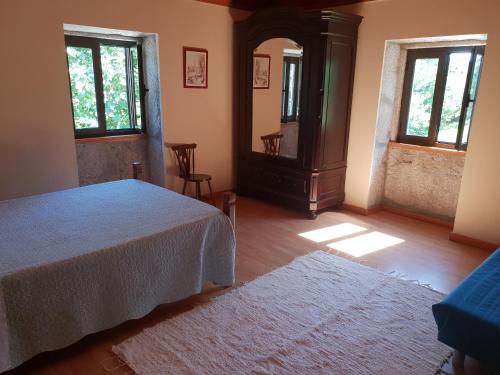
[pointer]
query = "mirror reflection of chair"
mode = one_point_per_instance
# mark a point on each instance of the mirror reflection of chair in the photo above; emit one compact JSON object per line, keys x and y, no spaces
{"x":272,"y":143}
{"x":184,"y":154}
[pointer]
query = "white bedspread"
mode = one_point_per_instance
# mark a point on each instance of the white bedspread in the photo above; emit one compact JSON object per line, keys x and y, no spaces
{"x":83,"y":260}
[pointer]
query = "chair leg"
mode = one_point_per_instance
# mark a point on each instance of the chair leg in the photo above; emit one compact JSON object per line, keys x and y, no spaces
{"x":198,"y":190}
{"x":211,"y":192}
{"x":184,"y":188}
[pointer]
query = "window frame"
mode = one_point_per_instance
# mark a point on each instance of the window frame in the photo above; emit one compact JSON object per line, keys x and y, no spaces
{"x":94,"y":44}
{"x":285,"y":89}
{"x":443,"y":55}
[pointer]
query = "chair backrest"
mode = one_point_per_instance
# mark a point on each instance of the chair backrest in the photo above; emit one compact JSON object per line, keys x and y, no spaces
{"x":185,"y":157}
{"x":272,"y":143}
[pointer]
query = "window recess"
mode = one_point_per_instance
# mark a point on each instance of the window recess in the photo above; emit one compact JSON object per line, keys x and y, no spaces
{"x":439,"y":95}
{"x":106,"y":85}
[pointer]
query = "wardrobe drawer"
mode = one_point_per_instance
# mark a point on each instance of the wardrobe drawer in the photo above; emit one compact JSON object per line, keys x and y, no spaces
{"x":279,"y":180}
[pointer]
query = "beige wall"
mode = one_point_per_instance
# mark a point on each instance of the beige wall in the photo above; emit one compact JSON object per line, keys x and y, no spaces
{"x":37,"y":148}
{"x":478,"y":211}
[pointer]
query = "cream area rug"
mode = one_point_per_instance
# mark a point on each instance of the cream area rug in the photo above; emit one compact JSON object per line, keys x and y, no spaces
{"x":320,"y":314}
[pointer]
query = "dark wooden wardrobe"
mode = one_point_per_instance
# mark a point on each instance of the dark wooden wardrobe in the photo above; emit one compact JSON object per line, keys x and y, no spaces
{"x":310,"y":177}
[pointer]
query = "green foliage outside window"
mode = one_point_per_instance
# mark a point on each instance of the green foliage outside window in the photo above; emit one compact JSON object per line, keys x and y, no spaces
{"x":114,"y":83}
{"x":114,"y":78}
{"x":81,"y":73}
{"x":422,"y":96}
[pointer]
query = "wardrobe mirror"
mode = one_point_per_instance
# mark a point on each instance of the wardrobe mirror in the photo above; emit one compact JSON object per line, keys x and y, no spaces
{"x":277,"y":71}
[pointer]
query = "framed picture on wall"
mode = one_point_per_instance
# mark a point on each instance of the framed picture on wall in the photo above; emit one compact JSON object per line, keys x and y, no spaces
{"x":195,"y":67}
{"x":261,"y":71}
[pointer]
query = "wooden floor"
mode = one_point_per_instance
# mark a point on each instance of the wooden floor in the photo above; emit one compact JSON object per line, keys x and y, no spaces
{"x":268,"y":237}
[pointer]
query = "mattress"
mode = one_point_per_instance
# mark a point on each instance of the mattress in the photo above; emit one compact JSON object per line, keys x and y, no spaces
{"x":83,"y":260}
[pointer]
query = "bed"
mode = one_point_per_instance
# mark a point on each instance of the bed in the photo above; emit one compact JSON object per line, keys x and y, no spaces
{"x":468,"y":319}
{"x":83,"y":260}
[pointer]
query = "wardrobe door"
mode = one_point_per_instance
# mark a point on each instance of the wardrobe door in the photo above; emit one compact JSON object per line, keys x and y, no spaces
{"x":338,"y":77}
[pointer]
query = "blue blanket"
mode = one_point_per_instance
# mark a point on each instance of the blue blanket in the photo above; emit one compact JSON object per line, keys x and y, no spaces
{"x":469,"y":318}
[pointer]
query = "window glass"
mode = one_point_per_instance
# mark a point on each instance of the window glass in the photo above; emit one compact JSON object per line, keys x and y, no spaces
{"x":475,"y":76}
{"x":440,"y":94}
{"x":291,"y":90}
{"x":135,"y":66}
{"x":82,"y":82}
{"x":109,"y":100}
{"x":422,"y":96}
{"x":472,"y":97}
{"x":283,"y":91}
{"x":453,"y":97}
{"x":468,"y":119}
{"x":114,"y":79}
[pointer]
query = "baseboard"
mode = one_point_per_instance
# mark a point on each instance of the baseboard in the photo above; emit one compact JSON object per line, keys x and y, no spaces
{"x":460,"y":238}
{"x":355,"y":209}
{"x":360,"y":210}
{"x":398,"y":211}
{"x":417,"y":216}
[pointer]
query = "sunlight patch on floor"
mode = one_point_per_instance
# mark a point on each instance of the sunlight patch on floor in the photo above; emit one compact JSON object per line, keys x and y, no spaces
{"x":333,"y":232}
{"x":365,"y":243}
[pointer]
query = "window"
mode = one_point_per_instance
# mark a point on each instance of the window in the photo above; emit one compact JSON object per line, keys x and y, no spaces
{"x":290,"y":88}
{"x":107,"y":92}
{"x":439,"y":95}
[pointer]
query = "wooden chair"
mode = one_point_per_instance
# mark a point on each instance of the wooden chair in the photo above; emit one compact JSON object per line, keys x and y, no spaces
{"x":185,"y":158}
{"x":272,"y":143}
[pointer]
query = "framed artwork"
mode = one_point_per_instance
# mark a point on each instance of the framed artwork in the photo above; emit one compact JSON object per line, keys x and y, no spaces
{"x":195,"y":68}
{"x":261,"y":71}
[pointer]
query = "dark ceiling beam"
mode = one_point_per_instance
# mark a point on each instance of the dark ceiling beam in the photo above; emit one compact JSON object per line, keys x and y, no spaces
{"x":254,"y":5}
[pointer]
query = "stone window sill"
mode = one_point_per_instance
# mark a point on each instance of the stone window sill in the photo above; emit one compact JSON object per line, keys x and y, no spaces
{"x":114,"y":138}
{"x":428,"y":149}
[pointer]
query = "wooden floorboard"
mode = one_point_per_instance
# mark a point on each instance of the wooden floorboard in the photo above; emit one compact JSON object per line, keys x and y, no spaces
{"x":267,"y":238}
